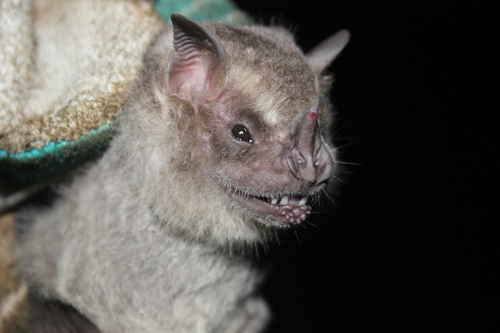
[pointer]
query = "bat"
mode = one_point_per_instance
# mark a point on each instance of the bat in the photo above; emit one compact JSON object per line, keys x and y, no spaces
{"x":224,"y":139}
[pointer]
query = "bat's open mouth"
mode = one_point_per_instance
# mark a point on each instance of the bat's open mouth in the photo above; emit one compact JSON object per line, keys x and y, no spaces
{"x":286,"y":200}
{"x":279,"y":211}
{"x":293,"y":208}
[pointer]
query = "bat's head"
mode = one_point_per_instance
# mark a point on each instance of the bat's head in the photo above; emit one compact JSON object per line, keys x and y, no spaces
{"x":251,"y":113}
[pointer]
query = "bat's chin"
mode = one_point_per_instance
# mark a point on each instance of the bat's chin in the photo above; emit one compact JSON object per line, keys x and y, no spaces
{"x":275,"y":211}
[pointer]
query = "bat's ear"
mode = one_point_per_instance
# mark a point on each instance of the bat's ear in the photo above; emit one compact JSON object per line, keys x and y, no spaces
{"x":323,"y":55}
{"x":198,"y":69}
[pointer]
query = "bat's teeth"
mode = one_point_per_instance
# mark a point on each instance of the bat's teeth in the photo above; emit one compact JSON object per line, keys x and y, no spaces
{"x":286,"y":200}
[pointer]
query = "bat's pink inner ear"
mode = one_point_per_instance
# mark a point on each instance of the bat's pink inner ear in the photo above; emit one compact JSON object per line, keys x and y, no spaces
{"x":199,"y":67}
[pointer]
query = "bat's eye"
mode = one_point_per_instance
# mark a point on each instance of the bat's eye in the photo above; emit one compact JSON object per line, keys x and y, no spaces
{"x":241,"y":133}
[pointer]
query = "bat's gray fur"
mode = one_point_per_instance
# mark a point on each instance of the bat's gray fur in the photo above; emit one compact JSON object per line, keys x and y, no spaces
{"x":154,"y":236}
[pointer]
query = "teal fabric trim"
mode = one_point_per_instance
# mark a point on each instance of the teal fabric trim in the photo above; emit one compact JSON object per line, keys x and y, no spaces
{"x":55,"y":158}
{"x":203,"y":10}
{"x":51,"y":148}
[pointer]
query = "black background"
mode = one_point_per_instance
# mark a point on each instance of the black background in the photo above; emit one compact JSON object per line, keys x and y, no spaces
{"x":405,"y":248}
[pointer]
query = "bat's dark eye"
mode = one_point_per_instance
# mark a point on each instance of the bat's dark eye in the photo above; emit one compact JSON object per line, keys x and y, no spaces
{"x":241,"y":133}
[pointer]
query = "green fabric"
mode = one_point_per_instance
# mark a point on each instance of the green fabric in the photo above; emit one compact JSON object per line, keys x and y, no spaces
{"x":57,"y":157}
{"x":54,"y":158}
{"x":201,"y":10}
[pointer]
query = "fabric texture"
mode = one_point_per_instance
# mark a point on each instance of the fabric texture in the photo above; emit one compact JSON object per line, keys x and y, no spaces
{"x":64,"y":68}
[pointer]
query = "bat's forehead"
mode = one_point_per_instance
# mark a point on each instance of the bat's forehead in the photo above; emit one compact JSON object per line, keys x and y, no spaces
{"x":276,"y":97}
{"x":268,"y":68}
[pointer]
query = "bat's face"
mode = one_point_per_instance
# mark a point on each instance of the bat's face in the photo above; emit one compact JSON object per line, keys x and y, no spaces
{"x":272,"y":169}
